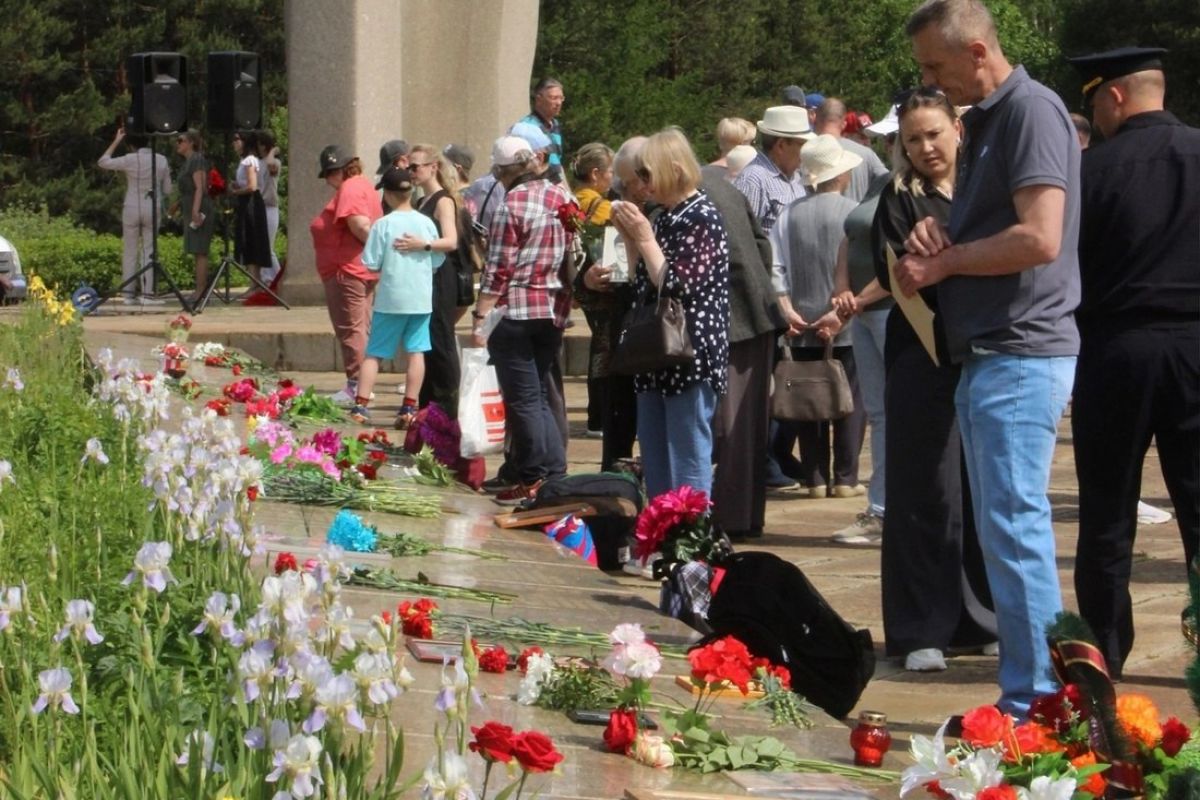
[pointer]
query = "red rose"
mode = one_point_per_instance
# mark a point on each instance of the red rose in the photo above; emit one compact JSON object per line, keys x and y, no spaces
{"x":494,"y":659}
{"x":1174,"y":736}
{"x":377,"y":455}
{"x":621,"y":731}
{"x":212,"y":361}
{"x":1001,"y":792}
{"x":493,"y":741}
{"x":236,"y":369}
{"x":985,"y":726}
{"x":535,"y":752}
{"x":523,"y":659}
{"x":285,"y":562}
{"x":251,"y":493}
{"x":368,"y":471}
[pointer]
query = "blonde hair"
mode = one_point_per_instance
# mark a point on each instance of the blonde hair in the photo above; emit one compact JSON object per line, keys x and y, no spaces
{"x":447,"y":173}
{"x":734,"y":131}
{"x":668,"y":157}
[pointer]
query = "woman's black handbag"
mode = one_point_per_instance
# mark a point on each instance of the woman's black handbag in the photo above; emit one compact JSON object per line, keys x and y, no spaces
{"x":653,"y":336}
{"x":811,"y":391}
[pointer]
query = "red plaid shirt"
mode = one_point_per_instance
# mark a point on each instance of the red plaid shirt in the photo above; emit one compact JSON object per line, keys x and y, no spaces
{"x":526,"y":251}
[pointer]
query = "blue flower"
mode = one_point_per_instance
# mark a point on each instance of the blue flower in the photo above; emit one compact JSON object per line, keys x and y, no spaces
{"x":350,"y":533}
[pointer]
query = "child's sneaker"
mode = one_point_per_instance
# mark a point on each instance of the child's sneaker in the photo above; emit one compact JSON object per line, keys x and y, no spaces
{"x":360,"y":415}
{"x":405,"y":417}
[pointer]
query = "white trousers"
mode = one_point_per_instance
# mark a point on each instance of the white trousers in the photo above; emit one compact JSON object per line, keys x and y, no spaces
{"x":136,"y":238}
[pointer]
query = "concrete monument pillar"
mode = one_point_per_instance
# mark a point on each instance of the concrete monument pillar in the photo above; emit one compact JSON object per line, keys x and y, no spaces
{"x":361,"y":72}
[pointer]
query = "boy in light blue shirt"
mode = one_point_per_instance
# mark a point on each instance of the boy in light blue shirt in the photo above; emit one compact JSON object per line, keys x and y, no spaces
{"x":399,"y":248}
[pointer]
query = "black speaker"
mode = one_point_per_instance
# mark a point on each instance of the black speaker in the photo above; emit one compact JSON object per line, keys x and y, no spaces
{"x":158,"y":82}
{"x":234,"y":91}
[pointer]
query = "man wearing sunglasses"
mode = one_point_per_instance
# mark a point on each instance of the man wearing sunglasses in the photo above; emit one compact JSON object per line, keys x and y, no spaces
{"x":1007,"y":275}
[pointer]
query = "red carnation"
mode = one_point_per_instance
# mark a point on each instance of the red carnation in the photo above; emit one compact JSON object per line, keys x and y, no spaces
{"x":236,"y":369}
{"x":1174,"y":736}
{"x":368,"y":471}
{"x":494,"y":659}
{"x":219,"y":405}
{"x":622,"y":729}
{"x":377,"y":455}
{"x":535,"y":751}
{"x":216,"y":184}
{"x":285,"y":562}
{"x":493,"y":741}
{"x":251,"y":493}
{"x":1002,"y":792}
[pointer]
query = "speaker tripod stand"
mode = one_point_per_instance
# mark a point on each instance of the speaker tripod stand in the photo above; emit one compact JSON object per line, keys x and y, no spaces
{"x":224,"y":273}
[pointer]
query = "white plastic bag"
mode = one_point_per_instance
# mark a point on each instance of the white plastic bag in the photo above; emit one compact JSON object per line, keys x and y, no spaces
{"x":480,"y":407}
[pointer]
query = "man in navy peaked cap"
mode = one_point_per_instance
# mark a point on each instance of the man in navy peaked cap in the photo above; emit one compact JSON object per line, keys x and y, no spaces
{"x":1138,"y":374}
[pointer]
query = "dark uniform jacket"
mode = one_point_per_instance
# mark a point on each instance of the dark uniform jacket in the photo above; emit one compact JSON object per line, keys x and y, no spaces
{"x":1139,"y":244}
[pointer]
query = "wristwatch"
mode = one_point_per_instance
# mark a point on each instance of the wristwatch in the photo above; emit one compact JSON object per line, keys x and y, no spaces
{"x":428,"y":247}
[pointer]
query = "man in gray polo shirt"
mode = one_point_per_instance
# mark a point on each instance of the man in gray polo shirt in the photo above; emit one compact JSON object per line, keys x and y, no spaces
{"x":1007,"y":274}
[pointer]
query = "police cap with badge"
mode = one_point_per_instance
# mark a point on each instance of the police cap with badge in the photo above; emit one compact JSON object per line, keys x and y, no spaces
{"x":1099,"y":68}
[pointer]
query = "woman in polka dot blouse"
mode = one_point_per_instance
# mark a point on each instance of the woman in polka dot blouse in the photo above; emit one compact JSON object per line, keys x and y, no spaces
{"x":685,"y":254}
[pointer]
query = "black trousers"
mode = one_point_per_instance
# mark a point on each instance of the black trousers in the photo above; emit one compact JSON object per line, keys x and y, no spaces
{"x":1131,"y":385}
{"x":740,"y":430}
{"x":442,"y":368}
{"x":935,"y":591}
{"x":815,"y":449}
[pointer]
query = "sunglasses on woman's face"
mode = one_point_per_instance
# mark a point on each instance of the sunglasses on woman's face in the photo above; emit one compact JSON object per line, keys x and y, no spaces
{"x":642,"y":173}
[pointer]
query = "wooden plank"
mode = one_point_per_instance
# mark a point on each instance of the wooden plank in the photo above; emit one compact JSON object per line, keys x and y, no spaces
{"x":543,"y":516}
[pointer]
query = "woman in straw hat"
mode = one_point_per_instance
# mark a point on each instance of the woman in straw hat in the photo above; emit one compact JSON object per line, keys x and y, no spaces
{"x":805,"y":241}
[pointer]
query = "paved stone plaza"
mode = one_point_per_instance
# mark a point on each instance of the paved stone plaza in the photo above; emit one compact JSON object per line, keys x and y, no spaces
{"x":553,"y":586}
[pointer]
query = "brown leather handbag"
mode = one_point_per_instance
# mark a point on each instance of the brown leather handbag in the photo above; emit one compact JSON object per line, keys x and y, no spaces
{"x":811,"y":391}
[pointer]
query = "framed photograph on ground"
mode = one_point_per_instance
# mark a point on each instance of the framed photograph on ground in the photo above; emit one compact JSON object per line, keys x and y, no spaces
{"x":437,"y":651}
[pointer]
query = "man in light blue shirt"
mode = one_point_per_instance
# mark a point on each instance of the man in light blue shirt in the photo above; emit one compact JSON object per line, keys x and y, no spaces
{"x":772,"y":181}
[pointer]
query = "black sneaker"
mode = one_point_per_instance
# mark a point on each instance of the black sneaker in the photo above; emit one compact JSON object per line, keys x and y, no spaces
{"x":497,"y":484}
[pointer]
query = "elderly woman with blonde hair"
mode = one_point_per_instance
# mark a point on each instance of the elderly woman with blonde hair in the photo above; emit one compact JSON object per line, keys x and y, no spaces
{"x":732,"y":132}
{"x":685,"y":255}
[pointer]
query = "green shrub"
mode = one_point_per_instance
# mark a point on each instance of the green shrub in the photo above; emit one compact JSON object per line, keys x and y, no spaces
{"x":66,"y":255}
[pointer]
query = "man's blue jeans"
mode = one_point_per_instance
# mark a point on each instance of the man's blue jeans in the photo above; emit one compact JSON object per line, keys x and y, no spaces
{"x":1008,"y":411}
{"x":868,"y":333}
{"x":523,"y":352}
{"x":675,"y":438}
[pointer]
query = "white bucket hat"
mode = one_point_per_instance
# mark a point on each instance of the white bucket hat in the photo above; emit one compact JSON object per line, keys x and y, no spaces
{"x":823,"y":159}
{"x":785,"y":122}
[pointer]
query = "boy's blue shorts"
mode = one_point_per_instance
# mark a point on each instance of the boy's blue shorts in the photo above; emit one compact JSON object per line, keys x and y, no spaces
{"x":391,"y":331}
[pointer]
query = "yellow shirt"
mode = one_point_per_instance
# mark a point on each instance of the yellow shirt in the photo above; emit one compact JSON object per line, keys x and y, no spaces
{"x":598,"y":213}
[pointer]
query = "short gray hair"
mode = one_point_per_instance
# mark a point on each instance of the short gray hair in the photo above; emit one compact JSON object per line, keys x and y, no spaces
{"x":627,"y":154}
{"x":958,"y":21}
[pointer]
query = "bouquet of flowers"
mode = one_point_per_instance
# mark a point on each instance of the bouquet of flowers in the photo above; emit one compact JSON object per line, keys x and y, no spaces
{"x":678,"y":524}
{"x":179,"y":327}
{"x":1047,"y":758}
{"x":571,"y":216}
{"x":1084,"y":741}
